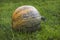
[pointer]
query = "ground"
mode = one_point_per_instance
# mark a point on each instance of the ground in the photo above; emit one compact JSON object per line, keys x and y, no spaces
{"x":50,"y":29}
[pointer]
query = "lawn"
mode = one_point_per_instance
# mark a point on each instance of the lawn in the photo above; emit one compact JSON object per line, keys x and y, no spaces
{"x":50,"y":29}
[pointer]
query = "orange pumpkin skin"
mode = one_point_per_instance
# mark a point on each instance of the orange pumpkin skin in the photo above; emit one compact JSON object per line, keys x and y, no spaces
{"x":26,"y":18}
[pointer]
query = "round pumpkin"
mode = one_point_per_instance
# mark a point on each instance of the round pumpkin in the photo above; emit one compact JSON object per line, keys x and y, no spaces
{"x":26,"y":18}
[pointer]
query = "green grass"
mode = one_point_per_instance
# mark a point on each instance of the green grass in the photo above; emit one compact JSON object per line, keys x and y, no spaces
{"x":50,"y":30}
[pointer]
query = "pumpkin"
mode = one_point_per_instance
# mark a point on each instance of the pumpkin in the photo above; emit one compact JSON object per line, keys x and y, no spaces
{"x":26,"y":18}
